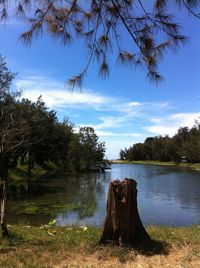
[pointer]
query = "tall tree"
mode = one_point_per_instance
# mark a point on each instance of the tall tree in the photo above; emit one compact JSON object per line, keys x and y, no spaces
{"x":148,"y":28}
{"x":15,"y":129}
{"x":92,"y":151}
{"x":12,"y":133}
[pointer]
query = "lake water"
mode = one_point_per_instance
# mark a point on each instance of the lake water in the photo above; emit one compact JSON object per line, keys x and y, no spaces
{"x":167,"y":195}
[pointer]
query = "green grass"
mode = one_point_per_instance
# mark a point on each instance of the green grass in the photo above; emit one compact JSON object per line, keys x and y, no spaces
{"x":51,"y":238}
{"x":50,"y":246}
{"x":21,"y":174}
{"x":195,"y":166}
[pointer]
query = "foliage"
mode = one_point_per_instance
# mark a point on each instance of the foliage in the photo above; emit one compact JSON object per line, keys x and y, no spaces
{"x":92,"y":151}
{"x":148,"y":28}
{"x":6,"y":77}
{"x":184,"y":146}
{"x":31,"y":134}
{"x":50,"y":228}
{"x":11,"y":124}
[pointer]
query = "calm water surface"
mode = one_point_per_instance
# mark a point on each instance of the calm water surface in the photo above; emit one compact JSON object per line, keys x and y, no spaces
{"x":166,"y":196}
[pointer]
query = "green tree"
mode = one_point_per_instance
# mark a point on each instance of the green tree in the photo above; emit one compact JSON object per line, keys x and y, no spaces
{"x":85,"y":150}
{"x":41,"y":128}
{"x":58,"y":142}
{"x":148,"y":28}
{"x":88,"y":140}
{"x":191,"y":144}
{"x":92,"y":151}
{"x":13,"y":128}
{"x":185,"y":143}
{"x":21,"y":128}
{"x":123,"y":154}
{"x":74,"y":154}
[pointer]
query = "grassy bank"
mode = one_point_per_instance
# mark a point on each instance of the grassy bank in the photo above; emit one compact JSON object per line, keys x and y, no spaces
{"x":195,"y":166}
{"x":78,"y":247}
{"x":20,"y":173}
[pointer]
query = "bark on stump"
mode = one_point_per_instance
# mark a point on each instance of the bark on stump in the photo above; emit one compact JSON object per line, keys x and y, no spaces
{"x":123,"y":225}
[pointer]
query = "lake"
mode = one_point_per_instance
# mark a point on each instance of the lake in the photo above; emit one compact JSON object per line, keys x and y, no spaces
{"x":167,"y":195}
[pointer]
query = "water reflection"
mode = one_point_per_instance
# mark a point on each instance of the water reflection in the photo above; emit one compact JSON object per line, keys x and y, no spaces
{"x":166,"y":195}
{"x":65,"y":198}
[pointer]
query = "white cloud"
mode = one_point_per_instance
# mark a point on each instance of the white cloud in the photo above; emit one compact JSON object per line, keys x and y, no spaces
{"x":63,"y":98}
{"x":162,"y":130}
{"x":102,"y":133}
{"x":184,"y":119}
{"x":55,"y":96}
{"x":170,"y":125}
{"x":117,"y":121}
{"x":111,"y":122}
{"x":156,"y":120}
{"x":134,"y":104}
{"x":161,"y":105}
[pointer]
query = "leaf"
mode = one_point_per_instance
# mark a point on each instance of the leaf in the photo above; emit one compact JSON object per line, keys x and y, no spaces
{"x":125,"y":57}
{"x":104,"y":69}
{"x":76,"y":81}
{"x":154,"y":76}
{"x":27,"y":37}
{"x":50,"y":233}
{"x":103,"y":39}
{"x":3,"y":14}
{"x":84,"y":228}
{"x":160,"y":5}
{"x":52,"y":223}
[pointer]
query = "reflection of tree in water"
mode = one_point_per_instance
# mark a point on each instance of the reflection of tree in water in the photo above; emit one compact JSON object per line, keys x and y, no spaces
{"x":82,"y":193}
{"x":37,"y":202}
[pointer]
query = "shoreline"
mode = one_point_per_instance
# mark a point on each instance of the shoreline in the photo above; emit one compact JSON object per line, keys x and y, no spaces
{"x":20,"y":173}
{"x":194,"y":166}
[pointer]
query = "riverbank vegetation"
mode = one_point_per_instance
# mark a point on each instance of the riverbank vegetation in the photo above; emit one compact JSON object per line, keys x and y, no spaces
{"x":78,"y":247}
{"x":31,"y":135}
{"x":184,"y":147}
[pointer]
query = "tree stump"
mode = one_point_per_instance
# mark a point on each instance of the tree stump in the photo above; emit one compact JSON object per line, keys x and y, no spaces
{"x":122,"y":224}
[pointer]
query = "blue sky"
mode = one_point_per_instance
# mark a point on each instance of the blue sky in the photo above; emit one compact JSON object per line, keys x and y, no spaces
{"x":123,"y":109}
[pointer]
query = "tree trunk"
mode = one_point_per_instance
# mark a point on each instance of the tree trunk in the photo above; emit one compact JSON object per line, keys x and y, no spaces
{"x":123,"y":225}
{"x":4,"y":178}
{"x":3,"y":209}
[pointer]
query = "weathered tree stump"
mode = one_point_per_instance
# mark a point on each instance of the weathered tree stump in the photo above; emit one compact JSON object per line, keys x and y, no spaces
{"x":122,"y":224}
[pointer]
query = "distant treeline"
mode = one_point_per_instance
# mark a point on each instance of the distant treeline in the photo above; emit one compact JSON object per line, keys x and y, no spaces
{"x":184,"y":146}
